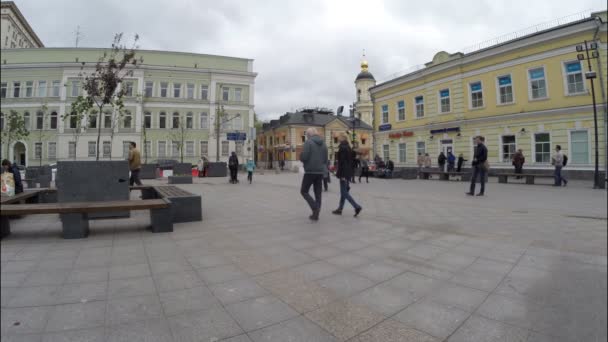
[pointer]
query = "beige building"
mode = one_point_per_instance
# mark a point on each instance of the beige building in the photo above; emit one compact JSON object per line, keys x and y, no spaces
{"x":16,"y":32}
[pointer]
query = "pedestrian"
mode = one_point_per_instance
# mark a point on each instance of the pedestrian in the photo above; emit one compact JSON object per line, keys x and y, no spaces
{"x":250,"y":167}
{"x":344,"y":174}
{"x":200,"y":167}
{"x":390,"y":166}
{"x":480,"y":166}
{"x":461,"y":161}
{"x":441,"y":162}
{"x":428,"y":162}
{"x":518,"y":162}
{"x":451,"y":161}
{"x":364,"y":170}
{"x":420,"y":162}
{"x":233,"y":165}
{"x":559,"y":160}
{"x":314,"y":159}
{"x":205,"y":166}
{"x":355,"y":163}
{"x":16,"y":175}
{"x":326,"y":177}
{"x":134,"y":164}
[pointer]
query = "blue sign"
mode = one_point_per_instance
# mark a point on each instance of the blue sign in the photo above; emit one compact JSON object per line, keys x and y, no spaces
{"x":504,"y":80}
{"x":236,"y":136}
{"x":385,"y":127}
{"x":573,"y":67}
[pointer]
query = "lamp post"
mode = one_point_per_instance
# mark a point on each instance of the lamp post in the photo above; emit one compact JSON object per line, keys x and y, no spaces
{"x":590,"y":75}
{"x":354,"y":117}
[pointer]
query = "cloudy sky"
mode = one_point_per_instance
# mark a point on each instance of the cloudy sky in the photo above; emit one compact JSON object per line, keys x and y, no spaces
{"x":306,"y":52}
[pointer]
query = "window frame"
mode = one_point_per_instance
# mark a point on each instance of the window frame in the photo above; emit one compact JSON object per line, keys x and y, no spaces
{"x":124,"y":120}
{"x":471,"y":92}
{"x":29,"y":89}
{"x":190,"y":91}
{"x":190,"y":120}
{"x":162,"y":124}
{"x":385,"y":113}
{"x":400,"y":107}
{"x":151,"y":89}
{"x":205,"y":91}
{"x":51,"y":156}
{"x":571,"y":159}
{"x":404,"y":150}
{"x":534,"y":148}
{"x":104,"y":144}
{"x":70,"y":154}
{"x":416,"y":109}
{"x":162,"y":143}
{"x":75,"y":87}
{"x":177,"y":89}
{"x":418,"y":148}
{"x":93,"y":153}
{"x":440,"y":101}
{"x":16,"y":89}
{"x":204,"y":124}
{"x":174,"y":122}
{"x":225,"y":91}
{"x":565,"y":74}
{"x":56,"y":88}
{"x":38,"y":146}
{"x":227,"y":144}
{"x":499,"y":87}
{"x":501,"y":147}
{"x":166,"y":89}
{"x":191,"y":144}
{"x":386,"y":152}
{"x":41,"y":90}
{"x":3,"y":90}
{"x":530,"y":92}
{"x":238,"y":94}
{"x":54,"y":120}
{"x":148,"y":120}
{"x":129,"y":88}
{"x":206,"y":143}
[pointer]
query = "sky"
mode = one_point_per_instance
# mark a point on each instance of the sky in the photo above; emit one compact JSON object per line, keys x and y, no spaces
{"x":306,"y":53}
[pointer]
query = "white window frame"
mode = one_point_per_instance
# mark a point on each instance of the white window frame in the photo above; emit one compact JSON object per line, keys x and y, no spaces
{"x":70,"y":154}
{"x":500,"y":146}
{"x":129,"y":88}
{"x":418,"y":149}
{"x":125,"y":148}
{"x":227,"y":144}
{"x":386,"y":152}
{"x":36,"y":150}
{"x":75,"y":87}
{"x":52,"y":116}
{"x":16,"y":85}
{"x":51,"y":156}
{"x":27,"y":120}
{"x":56,"y":88}
{"x":105,"y":144}
{"x":160,"y":116}
{"x":483,"y":99}
{"x":190,"y":120}
{"x":440,"y":105}
{"x":404,"y":150}
{"x":4,"y":88}
{"x":158,"y":144}
{"x":29,"y":88}
{"x":589,"y":146}
{"x":91,"y":153}
{"x":175,"y":150}
{"x":416,"y":107}
{"x":186,"y":144}
{"x":206,"y":151}
{"x":204,"y":124}
{"x":566,"y":74}
{"x":147,"y":114}
{"x":176,"y":87}
{"x":533,"y":140}
{"x":41,"y":88}
{"x":146,"y":84}
{"x":385,"y":112}
{"x":190,"y":90}
{"x":129,"y":115}
{"x":204,"y":88}
{"x":238,"y":94}
{"x":41,"y":127}
{"x":498,"y":87}
{"x":225,"y":90}
{"x":147,"y":148}
{"x":166,"y":88}
{"x":397,"y":118}
{"x":530,"y":98}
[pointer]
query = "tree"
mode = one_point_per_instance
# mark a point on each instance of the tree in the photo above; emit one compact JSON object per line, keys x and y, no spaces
{"x":102,"y":85}
{"x":14,"y":130}
{"x":179,"y":135}
{"x":77,"y":124}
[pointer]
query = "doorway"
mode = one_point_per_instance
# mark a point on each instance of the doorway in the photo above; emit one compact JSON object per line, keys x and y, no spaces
{"x":447,"y":147}
{"x":20,"y":153}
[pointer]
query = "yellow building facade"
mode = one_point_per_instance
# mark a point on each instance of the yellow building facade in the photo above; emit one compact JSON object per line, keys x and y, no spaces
{"x":529,"y":93}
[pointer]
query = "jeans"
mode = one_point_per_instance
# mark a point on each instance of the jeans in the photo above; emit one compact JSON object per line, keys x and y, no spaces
{"x":559,"y":179}
{"x":134,"y":177}
{"x":326,"y":183}
{"x":518,"y":170}
{"x":345,"y":195}
{"x":250,"y":176}
{"x":478,"y":170}
{"x":316,"y":181}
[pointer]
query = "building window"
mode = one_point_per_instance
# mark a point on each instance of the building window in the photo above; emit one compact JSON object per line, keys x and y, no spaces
{"x":225,"y":94}
{"x":52,"y":150}
{"x":505,"y":89}
{"x":384,"y":114}
{"x":303,"y":139}
{"x":385,"y":152}
{"x":175,"y":148}
{"x":538,"y":86}
{"x":190,"y":148}
{"x":204,"y":148}
{"x":73,"y":120}
{"x":39,"y":120}
{"x":92,"y":120}
{"x":147,"y":120}
{"x":175,"y":120}
{"x":238,"y":94}
{"x":129,"y":89}
{"x":444,"y":99}
{"x":419,"y":101}
{"x":579,"y":147}
{"x":147,"y":148}
{"x":162,"y":148}
{"x":163,"y":89}
{"x":41,"y":88}
{"x":238,"y":148}
{"x":107,"y":149}
{"x":177,"y":88}
{"x":162,"y":120}
{"x":26,"y":121}
{"x":542,"y":148}
{"x":400,"y":110}
{"x":16,"y":89}
{"x":476,"y":95}
{"x":402,"y":148}
{"x":149,"y":89}
{"x":190,"y":90}
{"x":204,"y":120}
{"x":204,"y":92}
{"x":29,"y":88}
{"x":53,"y":123}
{"x":125,"y":149}
{"x":75,"y":88}
{"x":238,"y":123}
{"x":508,"y":147}
{"x":72,"y":149}
{"x":420,"y":148}
{"x":38,"y":150}
{"x":107,"y":120}
{"x":56,"y":87}
{"x":574,"y":78}
{"x":190,"y":120}
{"x":127,"y":120}
{"x":3,"y":87}
{"x":224,"y":148}
{"x":92,"y":148}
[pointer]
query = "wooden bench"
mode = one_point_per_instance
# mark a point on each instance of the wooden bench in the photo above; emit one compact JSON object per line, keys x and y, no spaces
{"x":185,"y":206}
{"x":503,"y":177}
{"x":74,"y":214}
{"x":426,"y":174}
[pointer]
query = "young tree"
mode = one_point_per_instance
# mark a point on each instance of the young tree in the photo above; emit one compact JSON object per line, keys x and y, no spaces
{"x":102,"y":85}
{"x":144,"y":145}
{"x":179,"y":136}
{"x":14,"y":130}
{"x":76,"y":119}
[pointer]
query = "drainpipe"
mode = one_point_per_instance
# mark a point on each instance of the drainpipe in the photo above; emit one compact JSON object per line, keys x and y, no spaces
{"x":598,"y":22}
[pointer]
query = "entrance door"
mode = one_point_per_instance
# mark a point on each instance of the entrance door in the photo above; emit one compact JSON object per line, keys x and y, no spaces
{"x":446,"y":147}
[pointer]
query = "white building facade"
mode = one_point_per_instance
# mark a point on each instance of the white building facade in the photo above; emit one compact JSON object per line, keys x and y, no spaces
{"x":15,"y":31}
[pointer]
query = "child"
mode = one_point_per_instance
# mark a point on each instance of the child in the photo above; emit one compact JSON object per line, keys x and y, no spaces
{"x":250,"y":168}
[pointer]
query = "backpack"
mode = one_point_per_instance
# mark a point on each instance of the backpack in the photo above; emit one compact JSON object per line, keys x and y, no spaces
{"x":231,"y":162}
{"x":565,"y":160}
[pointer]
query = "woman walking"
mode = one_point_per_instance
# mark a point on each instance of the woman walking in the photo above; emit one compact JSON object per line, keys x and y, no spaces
{"x":344,"y":173}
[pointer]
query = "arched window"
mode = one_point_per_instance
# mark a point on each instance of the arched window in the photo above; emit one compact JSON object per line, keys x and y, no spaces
{"x":189,"y":120}
{"x":27,"y":120}
{"x":175,"y":121}
{"x":162,"y":120}
{"x":39,"y":120}
{"x":53,"y":123}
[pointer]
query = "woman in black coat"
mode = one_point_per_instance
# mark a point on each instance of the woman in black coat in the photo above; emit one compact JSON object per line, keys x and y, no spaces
{"x":345,"y":173}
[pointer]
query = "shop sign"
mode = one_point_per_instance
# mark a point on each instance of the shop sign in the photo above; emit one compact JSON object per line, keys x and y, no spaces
{"x":404,"y":134}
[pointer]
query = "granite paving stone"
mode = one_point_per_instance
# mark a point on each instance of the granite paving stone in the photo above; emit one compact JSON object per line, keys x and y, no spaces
{"x":77,"y":316}
{"x":260,"y":312}
{"x":437,"y":320}
{"x":207,"y":325}
{"x":344,"y":319}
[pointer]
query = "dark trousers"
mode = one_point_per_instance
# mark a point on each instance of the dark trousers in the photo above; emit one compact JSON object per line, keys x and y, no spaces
{"x":250,"y":176}
{"x":316,"y":181}
{"x":326,"y":182}
{"x":134,"y":179}
{"x":478,"y":170}
{"x":559,"y":179}
{"x":364,"y":173}
{"x":459,"y":168}
{"x":519,"y":169}
{"x":345,"y":195}
{"x":233,"y":175}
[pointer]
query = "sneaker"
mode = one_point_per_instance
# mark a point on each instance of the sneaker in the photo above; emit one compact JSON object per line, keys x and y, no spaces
{"x":337,"y":212}
{"x":357,"y":211}
{"x":470,"y":193}
{"x":480,"y":194}
{"x":315,"y":215}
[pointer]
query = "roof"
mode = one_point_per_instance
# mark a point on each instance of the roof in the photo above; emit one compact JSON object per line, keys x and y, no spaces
{"x":15,"y":9}
{"x":312,"y":119}
{"x":365,"y":75}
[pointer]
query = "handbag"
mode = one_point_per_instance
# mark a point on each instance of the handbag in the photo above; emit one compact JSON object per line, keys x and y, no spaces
{"x":486,"y":165}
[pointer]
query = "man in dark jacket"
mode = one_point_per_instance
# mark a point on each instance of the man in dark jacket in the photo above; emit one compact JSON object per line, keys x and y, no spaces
{"x":355,"y":165}
{"x":441,"y":161}
{"x":345,"y":173}
{"x":314,"y":158}
{"x":461,"y":161}
{"x":7,"y":167}
{"x":390,"y":167}
{"x":518,"y":162}
{"x":479,"y":165}
{"x":233,"y":165}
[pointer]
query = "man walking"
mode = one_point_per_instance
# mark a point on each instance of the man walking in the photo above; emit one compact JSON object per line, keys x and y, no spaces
{"x":364,"y":170}
{"x":518,"y":162}
{"x":558,"y":162}
{"x":344,"y":174}
{"x":480,"y":166}
{"x":233,"y":165}
{"x":134,"y":164}
{"x":314,"y":158}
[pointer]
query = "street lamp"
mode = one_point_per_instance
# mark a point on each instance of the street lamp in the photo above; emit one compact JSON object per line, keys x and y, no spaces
{"x":354,"y":117}
{"x":590,"y":75}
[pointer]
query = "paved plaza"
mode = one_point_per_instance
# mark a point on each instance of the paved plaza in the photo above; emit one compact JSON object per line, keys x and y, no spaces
{"x":423,"y":262}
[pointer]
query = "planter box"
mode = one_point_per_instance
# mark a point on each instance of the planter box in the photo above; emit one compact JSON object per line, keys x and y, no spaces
{"x":87,"y":181}
{"x":180,"y":179}
{"x":182,"y":169}
{"x":217,"y":169}
{"x":149,"y":171}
